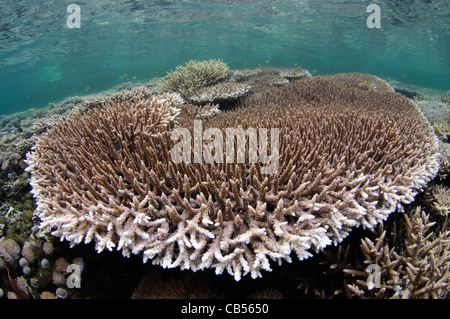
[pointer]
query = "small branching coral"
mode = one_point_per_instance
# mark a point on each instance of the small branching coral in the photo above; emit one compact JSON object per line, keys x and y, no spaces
{"x":347,"y":157}
{"x":435,"y":111}
{"x":416,"y":269}
{"x":442,"y":130}
{"x":441,"y":203}
{"x":194,"y":75}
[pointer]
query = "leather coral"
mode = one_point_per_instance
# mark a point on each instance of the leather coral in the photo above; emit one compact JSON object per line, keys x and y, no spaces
{"x":347,"y":157}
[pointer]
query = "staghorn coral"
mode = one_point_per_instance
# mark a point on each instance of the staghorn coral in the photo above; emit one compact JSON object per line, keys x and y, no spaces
{"x":347,"y":157}
{"x":193,"y":75}
{"x":416,"y":269}
{"x":20,"y":131}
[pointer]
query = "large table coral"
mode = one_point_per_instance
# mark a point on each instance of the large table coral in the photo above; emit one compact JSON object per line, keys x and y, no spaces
{"x":348,"y":156}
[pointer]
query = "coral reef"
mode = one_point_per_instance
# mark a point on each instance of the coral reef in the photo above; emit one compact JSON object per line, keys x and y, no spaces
{"x":438,"y":113}
{"x":293,"y":73}
{"x":18,"y":224}
{"x":196,"y":84}
{"x":134,"y":94}
{"x":116,"y":121}
{"x":34,"y":263}
{"x":355,"y":156}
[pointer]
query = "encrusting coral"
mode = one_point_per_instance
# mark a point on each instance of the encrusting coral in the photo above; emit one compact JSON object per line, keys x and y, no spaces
{"x":348,"y":156}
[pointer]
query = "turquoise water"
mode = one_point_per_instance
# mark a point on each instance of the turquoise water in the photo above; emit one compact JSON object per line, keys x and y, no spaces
{"x":42,"y":60}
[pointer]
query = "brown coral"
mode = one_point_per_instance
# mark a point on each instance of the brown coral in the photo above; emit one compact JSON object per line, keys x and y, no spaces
{"x":347,"y":157}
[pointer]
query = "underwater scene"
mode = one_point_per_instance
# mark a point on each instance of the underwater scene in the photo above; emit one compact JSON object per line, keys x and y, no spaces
{"x":224,"y":149}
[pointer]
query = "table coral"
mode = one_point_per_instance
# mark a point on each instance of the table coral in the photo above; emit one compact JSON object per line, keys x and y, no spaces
{"x":347,"y":157}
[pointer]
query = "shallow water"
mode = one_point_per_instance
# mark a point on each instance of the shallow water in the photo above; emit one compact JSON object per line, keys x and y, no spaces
{"x":42,"y":60}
